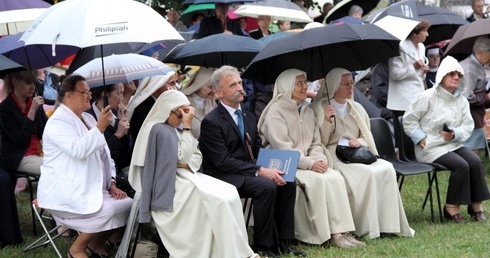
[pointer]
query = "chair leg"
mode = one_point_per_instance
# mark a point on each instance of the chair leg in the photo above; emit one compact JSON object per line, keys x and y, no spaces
{"x":33,"y":208}
{"x":135,"y":243}
{"x":429,"y":181}
{"x":249,"y":215}
{"x":47,"y":235}
{"x":402,"y":178}
{"x":438,"y":196}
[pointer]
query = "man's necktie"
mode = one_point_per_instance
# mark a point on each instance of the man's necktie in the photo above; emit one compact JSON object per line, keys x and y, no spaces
{"x":241,"y":128}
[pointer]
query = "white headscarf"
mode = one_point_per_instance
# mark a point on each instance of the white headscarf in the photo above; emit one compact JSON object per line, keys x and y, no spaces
{"x":145,"y":89}
{"x":198,"y":80}
{"x":327,"y":91}
{"x":332,"y":82}
{"x":159,"y":113}
{"x":284,"y":86}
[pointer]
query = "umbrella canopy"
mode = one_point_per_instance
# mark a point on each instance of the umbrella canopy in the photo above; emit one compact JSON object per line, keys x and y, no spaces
{"x":121,"y":68}
{"x":443,"y":23}
{"x":277,"y":9}
{"x":278,"y":35}
{"x":88,"y":54}
{"x":205,"y":9}
{"x":36,"y":56}
{"x":342,"y":8}
{"x":85,"y":23}
{"x":17,"y":15}
{"x":8,"y":66}
{"x":398,"y":19}
{"x":216,"y":50}
{"x":316,"y":51}
{"x":216,"y":1}
{"x":466,"y":35}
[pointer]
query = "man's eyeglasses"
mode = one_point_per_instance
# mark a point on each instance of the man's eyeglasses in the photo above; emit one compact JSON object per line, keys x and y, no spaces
{"x":86,"y":93}
{"x":179,"y":116}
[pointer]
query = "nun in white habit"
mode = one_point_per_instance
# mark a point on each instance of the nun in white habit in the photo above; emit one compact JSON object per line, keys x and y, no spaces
{"x":373,"y":190}
{"x":196,"y":215}
{"x":322,"y":208}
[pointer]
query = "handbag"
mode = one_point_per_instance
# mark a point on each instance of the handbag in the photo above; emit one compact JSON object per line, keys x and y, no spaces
{"x":362,"y":155}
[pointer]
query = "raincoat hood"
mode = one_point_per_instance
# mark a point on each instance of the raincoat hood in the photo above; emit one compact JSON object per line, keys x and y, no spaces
{"x":449,"y":64}
{"x":198,"y":80}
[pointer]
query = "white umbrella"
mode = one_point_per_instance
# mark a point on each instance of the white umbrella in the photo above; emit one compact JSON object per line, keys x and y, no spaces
{"x":121,"y":68}
{"x":15,"y":21}
{"x":85,"y":23}
{"x":278,"y":9}
{"x":398,"y":19}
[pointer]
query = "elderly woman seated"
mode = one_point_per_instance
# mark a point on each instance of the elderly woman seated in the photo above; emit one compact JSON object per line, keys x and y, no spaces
{"x":77,"y":184}
{"x":322,"y":207}
{"x":439,"y":121}
{"x":373,"y":190}
{"x":196,"y":215}
{"x":200,"y":94}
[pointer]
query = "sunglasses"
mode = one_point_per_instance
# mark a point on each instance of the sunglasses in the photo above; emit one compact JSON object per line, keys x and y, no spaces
{"x":179,"y":116}
{"x":454,"y":73}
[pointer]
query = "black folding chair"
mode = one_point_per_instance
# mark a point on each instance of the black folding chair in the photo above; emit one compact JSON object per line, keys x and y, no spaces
{"x":386,"y":151}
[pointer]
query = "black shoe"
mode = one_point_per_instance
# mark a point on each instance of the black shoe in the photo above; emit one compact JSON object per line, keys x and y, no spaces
{"x":266,"y":251}
{"x":285,"y":248}
{"x":476,"y":215}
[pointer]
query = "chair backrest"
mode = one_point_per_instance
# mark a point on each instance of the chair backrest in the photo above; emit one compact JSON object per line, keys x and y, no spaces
{"x":407,"y":152}
{"x":382,"y":138}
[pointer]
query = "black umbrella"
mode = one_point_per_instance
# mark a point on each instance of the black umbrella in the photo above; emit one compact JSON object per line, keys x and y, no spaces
{"x":443,"y":23}
{"x":216,"y":50}
{"x":317,"y":51}
{"x":342,"y":9}
{"x":8,"y":66}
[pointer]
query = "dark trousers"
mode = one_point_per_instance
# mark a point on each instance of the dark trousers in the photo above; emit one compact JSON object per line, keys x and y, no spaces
{"x":467,"y":181}
{"x":9,"y":218}
{"x":273,"y":209}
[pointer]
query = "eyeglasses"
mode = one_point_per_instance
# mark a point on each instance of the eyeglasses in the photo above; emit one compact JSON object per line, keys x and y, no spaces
{"x":86,"y":93}
{"x":179,"y":116}
{"x":454,"y":73}
{"x":301,"y":84}
{"x":347,"y":84}
{"x":172,"y":83}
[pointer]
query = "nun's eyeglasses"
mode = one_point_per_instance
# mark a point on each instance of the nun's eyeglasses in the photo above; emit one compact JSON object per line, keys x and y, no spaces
{"x":179,"y":116}
{"x":301,"y":84}
{"x":347,"y":84}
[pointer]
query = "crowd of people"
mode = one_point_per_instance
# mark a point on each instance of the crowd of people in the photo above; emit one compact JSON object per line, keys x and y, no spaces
{"x":190,"y":150}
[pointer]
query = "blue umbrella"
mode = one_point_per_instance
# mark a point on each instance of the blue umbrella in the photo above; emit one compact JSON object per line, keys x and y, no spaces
{"x":36,"y":56}
{"x":277,"y":35}
{"x":216,"y":50}
{"x":8,"y":5}
{"x":8,"y":66}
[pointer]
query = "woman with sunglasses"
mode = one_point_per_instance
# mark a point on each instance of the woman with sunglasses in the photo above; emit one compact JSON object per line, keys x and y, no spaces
{"x":438,"y":121}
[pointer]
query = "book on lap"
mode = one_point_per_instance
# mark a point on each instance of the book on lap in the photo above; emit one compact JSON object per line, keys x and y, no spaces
{"x":284,"y":160}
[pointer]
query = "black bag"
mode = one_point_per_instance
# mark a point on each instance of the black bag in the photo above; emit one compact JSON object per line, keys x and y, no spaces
{"x":362,"y":155}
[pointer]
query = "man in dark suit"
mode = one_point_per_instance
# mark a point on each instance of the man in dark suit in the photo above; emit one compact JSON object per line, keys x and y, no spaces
{"x":219,"y":23}
{"x":226,"y":156}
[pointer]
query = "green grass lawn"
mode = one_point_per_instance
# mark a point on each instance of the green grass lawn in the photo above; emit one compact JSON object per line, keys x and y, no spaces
{"x":469,"y":239}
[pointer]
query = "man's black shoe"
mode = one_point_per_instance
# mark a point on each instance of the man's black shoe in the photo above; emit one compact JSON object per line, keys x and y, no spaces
{"x":266,"y":251}
{"x":285,"y":248}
